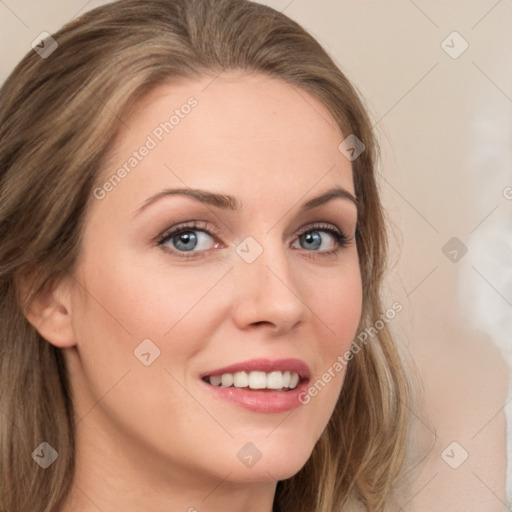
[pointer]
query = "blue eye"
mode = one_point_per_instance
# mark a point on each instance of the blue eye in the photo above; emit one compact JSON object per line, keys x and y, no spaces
{"x":194,"y":239}
{"x":188,"y":240}
{"x":320,"y":240}
{"x":312,"y":240}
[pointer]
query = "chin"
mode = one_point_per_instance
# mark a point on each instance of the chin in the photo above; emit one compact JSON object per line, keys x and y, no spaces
{"x":276,"y":463}
{"x":266,"y":473}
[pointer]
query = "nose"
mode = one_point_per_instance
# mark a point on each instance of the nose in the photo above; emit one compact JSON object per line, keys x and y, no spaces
{"x":268,"y":294}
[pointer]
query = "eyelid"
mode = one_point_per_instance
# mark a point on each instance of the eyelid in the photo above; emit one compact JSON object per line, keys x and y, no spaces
{"x":324,"y":226}
{"x":191,"y":225}
{"x":317,"y":225}
{"x":341,"y":239}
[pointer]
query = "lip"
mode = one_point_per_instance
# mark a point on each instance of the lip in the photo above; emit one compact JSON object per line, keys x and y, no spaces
{"x":267,"y":402}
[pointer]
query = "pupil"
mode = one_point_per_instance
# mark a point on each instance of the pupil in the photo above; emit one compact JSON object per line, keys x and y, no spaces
{"x":312,"y":240}
{"x":186,"y":241}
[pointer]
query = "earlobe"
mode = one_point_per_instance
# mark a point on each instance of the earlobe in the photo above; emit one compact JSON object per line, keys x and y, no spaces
{"x":49,"y":312}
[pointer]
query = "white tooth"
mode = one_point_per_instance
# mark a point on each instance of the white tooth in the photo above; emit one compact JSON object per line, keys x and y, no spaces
{"x":215,"y":380}
{"x":241,"y":380}
{"x":257,"y":380}
{"x":275,"y":380}
{"x":227,"y":380}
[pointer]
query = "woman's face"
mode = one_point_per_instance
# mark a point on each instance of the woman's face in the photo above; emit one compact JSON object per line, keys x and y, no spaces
{"x":218,"y":280}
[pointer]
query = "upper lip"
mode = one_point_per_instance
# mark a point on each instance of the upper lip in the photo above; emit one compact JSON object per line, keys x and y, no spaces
{"x":265,"y":365}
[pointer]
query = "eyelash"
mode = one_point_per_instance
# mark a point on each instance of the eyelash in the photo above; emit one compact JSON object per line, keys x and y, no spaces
{"x":339,"y":237}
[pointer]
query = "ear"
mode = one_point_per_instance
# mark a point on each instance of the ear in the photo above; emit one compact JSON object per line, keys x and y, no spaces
{"x":49,"y":312}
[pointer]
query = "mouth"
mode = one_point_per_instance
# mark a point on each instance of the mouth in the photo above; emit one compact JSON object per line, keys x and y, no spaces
{"x":261,"y":385}
{"x":257,"y":380}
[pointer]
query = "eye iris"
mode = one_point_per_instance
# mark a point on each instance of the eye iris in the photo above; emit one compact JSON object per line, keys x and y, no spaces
{"x":311,"y":240}
{"x":185,"y":241}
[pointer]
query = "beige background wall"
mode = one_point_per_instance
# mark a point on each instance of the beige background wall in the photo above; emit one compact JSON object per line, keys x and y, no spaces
{"x":444,"y":121}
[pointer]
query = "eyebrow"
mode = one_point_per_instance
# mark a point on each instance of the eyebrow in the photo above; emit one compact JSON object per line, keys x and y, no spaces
{"x":227,"y":202}
{"x":222,"y":201}
{"x":333,"y":193}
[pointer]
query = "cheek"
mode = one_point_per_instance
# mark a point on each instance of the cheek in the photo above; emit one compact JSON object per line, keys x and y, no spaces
{"x":335,"y":300}
{"x":118,"y":309}
{"x":336,"y":304}
{"x":150,"y":301}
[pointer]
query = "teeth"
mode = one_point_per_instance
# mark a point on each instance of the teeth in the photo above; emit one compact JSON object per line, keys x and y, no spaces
{"x":241,"y":380}
{"x":294,"y":380}
{"x":256,"y":380}
{"x":227,"y":380}
{"x":275,"y":380}
{"x":216,"y":380}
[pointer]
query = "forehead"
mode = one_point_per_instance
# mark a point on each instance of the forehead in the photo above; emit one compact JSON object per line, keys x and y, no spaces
{"x":249,"y":134}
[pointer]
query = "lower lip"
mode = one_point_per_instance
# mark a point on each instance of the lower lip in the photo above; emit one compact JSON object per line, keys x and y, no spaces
{"x":268,"y":402}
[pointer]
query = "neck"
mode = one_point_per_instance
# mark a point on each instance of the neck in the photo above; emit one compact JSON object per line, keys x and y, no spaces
{"x":109,"y":477}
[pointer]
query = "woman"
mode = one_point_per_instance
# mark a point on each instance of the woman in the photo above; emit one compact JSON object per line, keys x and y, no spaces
{"x":191,"y":258}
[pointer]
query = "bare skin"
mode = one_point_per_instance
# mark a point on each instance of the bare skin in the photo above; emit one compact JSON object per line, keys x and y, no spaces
{"x":157,"y":437}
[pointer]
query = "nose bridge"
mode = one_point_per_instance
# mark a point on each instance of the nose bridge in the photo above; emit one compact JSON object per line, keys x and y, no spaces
{"x":267,"y":289}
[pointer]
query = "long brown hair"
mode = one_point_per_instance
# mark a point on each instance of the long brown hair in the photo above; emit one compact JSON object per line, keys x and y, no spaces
{"x":58,"y":118}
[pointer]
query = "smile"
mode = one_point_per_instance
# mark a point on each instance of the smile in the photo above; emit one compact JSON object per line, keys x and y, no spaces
{"x":260,"y":385}
{"x":276,"y":380}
